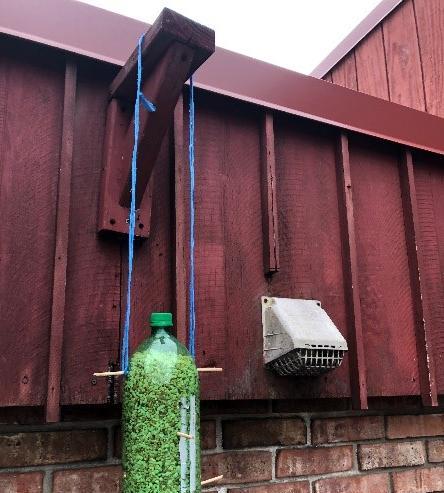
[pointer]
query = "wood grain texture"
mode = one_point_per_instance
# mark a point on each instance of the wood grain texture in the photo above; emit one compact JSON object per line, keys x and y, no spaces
{"x":91,"y":335}
{"x":269,"y":204}
{"x":112,"y":217}
{"x":31,"y":102}
{"x":403,"y":58}
{"x":210,"y":261}
{"x":162,"y":86}
{"x":344,"y":74}
{"x":429,"y":180}
{"x":386,"y":297}
{"x":61,"y":245}
{"x":430,"y":24}
{"x":168,"y":28}
{"x":370,"y":65}
{"x":181,"y":226}
{"x":244,"y":272}
{"x":310,"y":240}
{"x":423,"y":323}
{"x":153,"y":287}
{"x":358,"y":370}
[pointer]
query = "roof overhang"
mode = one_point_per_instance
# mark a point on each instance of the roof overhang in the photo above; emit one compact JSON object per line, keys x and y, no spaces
{"x":99,"y":34}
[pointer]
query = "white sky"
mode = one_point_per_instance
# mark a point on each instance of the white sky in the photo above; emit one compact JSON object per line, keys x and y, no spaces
{"x":295,"y":34}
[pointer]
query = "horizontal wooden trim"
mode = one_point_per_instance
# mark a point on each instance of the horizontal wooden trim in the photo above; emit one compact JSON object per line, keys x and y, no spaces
{"x":230,"y":74}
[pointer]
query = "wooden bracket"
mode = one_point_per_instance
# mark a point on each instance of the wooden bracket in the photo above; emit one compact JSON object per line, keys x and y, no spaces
{"x":172,"y":50}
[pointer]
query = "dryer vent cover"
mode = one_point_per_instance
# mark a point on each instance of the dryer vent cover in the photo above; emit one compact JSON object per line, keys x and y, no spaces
{"x":299,"y":337}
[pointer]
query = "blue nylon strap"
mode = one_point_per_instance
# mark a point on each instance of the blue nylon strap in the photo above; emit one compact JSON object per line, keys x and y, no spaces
{"x":192,"y":307}
{"x":140,"y":99}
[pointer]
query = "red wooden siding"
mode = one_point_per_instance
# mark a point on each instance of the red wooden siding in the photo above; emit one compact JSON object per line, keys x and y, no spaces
{"x":31,"y":101}
{"x":328,"y":207}
{"x":401,"y":60}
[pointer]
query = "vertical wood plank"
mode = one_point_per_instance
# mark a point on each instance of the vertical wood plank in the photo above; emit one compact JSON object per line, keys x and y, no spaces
{"x":384,"y":274}
{"x":429,"y":185}
{"x":344,"y":74}
{"x":269,"y":203}
{"x":181,"y":222}
{"x":61,"y":246}
{"x":371,"y":70}
{"x":430,"y":25}
{"x":358,"y":379}
{"x":426,"y":364}
{"x":92,"y":306}
{"x":403,"y":58}
{"x":31,"y":102}
{"x":310,"y":243}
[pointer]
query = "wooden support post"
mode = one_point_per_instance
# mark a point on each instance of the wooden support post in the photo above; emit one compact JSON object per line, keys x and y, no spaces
{"x":358,"y":379}
{"x":181,"y":221}
{"x":61,"y":246}
{"x":426,"y":365}
{"x":269,"y":202}
{"x":172,"y":49}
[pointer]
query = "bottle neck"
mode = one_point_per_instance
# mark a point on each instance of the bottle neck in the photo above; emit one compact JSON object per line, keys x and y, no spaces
{"x":161,"y":330}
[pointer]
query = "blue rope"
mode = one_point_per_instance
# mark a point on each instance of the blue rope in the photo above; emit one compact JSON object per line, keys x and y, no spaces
{"x":140,"y":99}
{"x":192,"y":307}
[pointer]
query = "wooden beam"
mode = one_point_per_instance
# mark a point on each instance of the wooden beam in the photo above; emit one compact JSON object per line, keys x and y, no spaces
{"x":61,"y":245}
{"x":269,"y":202}
{"x":426,"y":364}
{"x":172,"y":49}
{"x":358,"y":379}
{"x":112,"y":216}
{"x":162,"y":87}
{"x":169,"y":27}
{"x":181,"y":221}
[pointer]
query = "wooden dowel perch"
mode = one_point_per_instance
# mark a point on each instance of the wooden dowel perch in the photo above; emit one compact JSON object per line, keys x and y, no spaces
{"x":108,"y":374}
{"x":185,"y":435}
{"x":209,"y":370}
{"x":211,"y":480}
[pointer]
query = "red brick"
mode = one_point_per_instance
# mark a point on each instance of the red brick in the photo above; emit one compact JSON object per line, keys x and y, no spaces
{"x":379,"y":455}
{"x":238,"y":467}
{"x":335,"y":430}
{"x":39,"y":448}
{"x":299,"y":487}
{"x":415,"y":426}
{"x":31,"y":482}
{"x":419,"y":481}
{"x":263,"y":432}
{"x":96,"y":479}
{"x":306,"y":461}
{"x":374,"y":483}
{"x":435,"y":450}
{"x":208,"y":434}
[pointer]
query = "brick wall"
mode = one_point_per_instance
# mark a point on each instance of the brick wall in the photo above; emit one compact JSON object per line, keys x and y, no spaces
{"x":259,"y":447}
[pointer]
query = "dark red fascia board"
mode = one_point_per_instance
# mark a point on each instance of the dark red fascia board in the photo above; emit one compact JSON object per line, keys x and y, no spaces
{"x":96,"y":33}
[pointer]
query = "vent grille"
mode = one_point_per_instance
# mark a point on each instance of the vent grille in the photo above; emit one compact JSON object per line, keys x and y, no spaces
{"x":307,"y":361}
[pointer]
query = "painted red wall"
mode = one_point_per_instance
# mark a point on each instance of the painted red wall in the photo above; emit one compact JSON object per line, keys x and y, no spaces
{"x":310,"y":208}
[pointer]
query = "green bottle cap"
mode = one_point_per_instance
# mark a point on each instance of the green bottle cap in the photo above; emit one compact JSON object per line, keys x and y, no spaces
{"x":161,"y":319}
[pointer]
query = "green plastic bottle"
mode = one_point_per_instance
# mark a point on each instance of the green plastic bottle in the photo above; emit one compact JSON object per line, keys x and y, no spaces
{"x":161,"y":398}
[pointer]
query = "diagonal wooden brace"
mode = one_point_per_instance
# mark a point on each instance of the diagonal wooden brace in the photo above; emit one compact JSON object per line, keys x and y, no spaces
{"x":172,"y":49}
